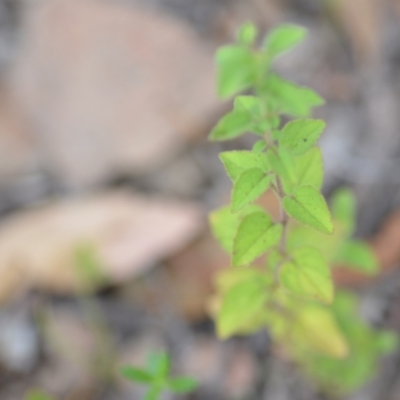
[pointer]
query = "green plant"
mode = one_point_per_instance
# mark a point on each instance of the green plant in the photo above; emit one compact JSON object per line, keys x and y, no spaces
{"x":290,"y":292}
{"x":156,"y":377}
{"x":37,"y":395}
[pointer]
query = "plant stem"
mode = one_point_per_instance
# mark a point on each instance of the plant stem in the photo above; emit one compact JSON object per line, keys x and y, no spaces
{"x":284,"y":216}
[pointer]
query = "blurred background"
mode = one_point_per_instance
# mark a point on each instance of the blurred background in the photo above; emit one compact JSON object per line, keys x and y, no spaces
{"x":106,"y":178}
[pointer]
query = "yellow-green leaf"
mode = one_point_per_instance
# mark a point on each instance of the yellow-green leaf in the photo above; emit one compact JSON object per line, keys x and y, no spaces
{"x":247,"y":33}
{"x":290,"y":98}
{"x":365,"y":347}
{"x":239,"y":305}
{"x":256,"y":234}
{"x":37,"y":395}
{"x":236,"y":68}
{"x":304,"y":236}
{"x":307,"y":275}
{"x":250,"y":185}
{"x":308,"y":206}
{"x":358,"y":255}
{"x":284,"y":38}
{"x":317,"y":329}
{"x":343,"y":204}
{"x":309,"y":168}
{"x":231,"y":125}
{"x":282,"y":163}
{"x":259,"y":146}
{"x":247,"y":115}
{"x":229,"y":277}
{"x":300,"y":135}
{"x":224,"y":224}
{"x":236,"y":162}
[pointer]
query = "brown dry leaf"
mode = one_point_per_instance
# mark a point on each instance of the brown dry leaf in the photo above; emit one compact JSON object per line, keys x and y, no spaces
{"x":128,"y":233}
{"x":111,"y":87}
{"x":386,"y":242}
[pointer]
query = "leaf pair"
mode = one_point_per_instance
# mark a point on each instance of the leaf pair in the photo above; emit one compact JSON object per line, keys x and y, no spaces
{"x":156,"y":376}
{"x":248,"y":115}
{"x":239,"y":66}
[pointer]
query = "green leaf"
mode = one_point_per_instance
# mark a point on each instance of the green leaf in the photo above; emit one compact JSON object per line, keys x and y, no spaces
{"x":284,"y":38}
{"x":227,"y":278}
{"x":159,"y":364}
{"x":343,"y":204}
{"x":247,"y":33}
{"x":358,"y":255}
{"x":37,"y":395}
{"x":137,"y":375}
{"x":153,"y":393}
{"x":283,"y":164}
{"x":309,"y":168}
{"x":249,"y":186}
{"x":237,"y":162}
{"x":231,"y":125}
{"x":346,"y":375}
{"x":253,"y":105}
{"x":308,"y":206}
{"x":307,"y":274}
{"x":256,"y":234}
{"x":247,"y":115}
{"x":239,"y":305}
{"x":304,"y":236}
{"x":316,"y":328}
{"x":89,"y":265}
{"x":224,"y":224}
{"x":387,"y":342}
{"x":182,"y":384}
{"x":256,"y":109}
{"x":236,"y":67}
{"x":289,"y":98}
{"x":300,"y":135}
{"x":259,"y":146}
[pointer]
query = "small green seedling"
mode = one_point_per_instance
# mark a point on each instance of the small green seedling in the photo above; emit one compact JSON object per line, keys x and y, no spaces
{"x":280,"y":278}
{"x":156,"y":377}
{"x":36,"y":394}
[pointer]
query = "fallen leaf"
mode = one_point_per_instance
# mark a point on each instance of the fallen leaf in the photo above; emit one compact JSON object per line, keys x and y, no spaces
{"x":136,"y":83}
{"x":127,"y":233}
